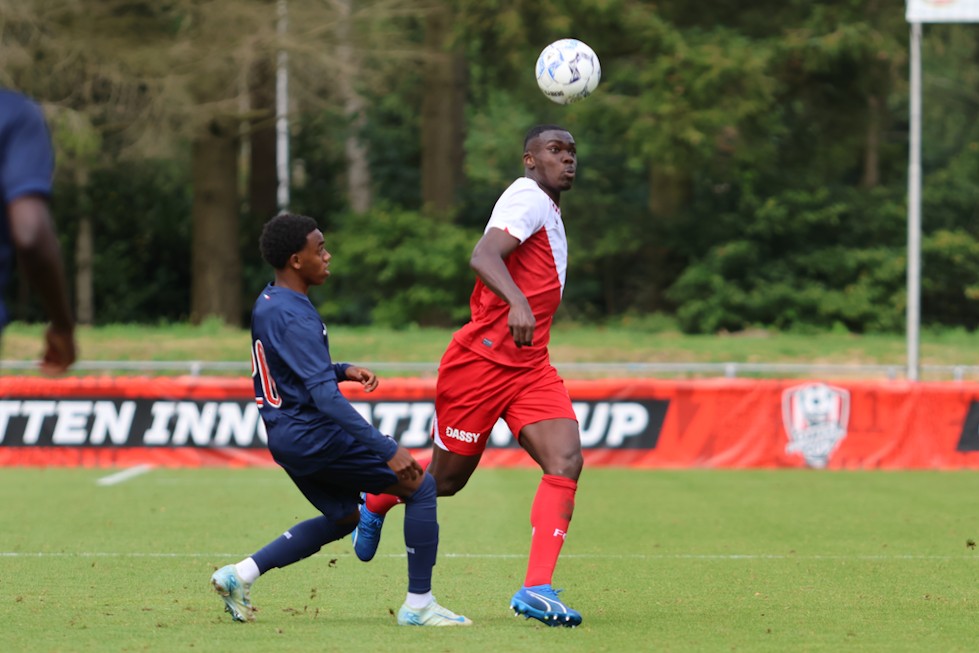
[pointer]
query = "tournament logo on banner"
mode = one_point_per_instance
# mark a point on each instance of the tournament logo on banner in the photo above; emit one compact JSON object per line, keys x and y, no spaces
{"x":815,"y":416}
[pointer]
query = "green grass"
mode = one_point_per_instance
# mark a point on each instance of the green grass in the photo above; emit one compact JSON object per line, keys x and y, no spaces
{"x":692,"y":560}
{"x":642,"y":342}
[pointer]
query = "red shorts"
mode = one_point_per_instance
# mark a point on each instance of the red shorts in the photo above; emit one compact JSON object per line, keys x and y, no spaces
{"x":472,"y":393}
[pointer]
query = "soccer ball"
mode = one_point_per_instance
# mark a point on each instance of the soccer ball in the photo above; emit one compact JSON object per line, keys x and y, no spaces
{"x":568,"y":71}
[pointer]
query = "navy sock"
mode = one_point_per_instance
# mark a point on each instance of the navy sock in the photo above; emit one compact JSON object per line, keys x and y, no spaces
{"x":421,"y":536}
{"x":301,"y":541}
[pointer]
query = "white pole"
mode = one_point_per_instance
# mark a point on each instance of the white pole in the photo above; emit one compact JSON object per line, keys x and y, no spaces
{"x":914,"y":208}
{"x":282,"y":112}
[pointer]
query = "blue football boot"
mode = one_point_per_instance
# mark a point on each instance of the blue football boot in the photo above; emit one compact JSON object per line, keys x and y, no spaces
{"x":542,"y":603}
{"x":367,"y":535}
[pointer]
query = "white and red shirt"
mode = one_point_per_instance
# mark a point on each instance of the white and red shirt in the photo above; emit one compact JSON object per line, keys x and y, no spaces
{"x":538,"y":266}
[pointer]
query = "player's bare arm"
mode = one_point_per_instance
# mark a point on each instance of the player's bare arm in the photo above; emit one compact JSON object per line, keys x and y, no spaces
{"x":364,"y":376}
{"x":487,"y":262}
{"x":33,"y":235}
{"x":59,"y":350}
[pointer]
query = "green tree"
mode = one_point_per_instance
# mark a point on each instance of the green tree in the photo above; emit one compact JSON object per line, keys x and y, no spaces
{"x":741,"y":163}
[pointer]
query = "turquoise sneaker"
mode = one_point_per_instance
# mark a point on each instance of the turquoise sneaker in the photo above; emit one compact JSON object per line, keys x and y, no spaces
{"x":542,"y":603}
{"x":367,"y":535}
{"x":432,"y":614}
{"x":234,"y":591}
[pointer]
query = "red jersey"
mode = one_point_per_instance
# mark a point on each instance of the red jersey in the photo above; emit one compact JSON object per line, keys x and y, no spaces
{"x":538,"y":266}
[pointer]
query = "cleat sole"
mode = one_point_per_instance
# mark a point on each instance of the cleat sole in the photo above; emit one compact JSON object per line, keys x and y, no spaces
{"x":548,"y":619}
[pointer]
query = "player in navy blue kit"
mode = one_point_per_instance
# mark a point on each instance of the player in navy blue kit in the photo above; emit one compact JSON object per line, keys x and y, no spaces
{"x":26,"y":226}
{"x":329,"y":451}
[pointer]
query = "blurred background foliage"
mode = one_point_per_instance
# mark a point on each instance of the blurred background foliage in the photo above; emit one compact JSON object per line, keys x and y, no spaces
{"x":741,"y":164}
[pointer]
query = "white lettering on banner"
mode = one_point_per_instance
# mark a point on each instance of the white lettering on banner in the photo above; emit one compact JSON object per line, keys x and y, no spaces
{"x":8,"y":409}
{"x":210,"y":424}
{"x":71,"y":426}
{"x":195,"y":422}
{"x":36,"y":411}
{"x":235,"y":423}
{"x":592,"y":430}
{"x":388,"y":414}
{"x":77,"y":422}
{"x":627,"y":420}
{"x":419,"y":431}
{"x":108,"y":421}
{"x":600,"y":423}
{"x":363,"y":408}
{"x":158,"y":434}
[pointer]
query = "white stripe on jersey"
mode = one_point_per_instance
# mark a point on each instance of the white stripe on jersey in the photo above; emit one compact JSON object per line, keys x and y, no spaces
{"x":524,"y":209}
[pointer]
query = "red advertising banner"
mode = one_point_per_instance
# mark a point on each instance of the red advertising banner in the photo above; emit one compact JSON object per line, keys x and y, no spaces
{"x":722,"y":423}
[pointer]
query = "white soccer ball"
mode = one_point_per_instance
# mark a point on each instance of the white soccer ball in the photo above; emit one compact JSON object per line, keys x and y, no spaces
{"x":568,"y":70}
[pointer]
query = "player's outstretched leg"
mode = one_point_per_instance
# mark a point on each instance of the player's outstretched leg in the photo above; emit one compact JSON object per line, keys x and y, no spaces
{"x":235,"y":592}
{"x":542,"y":603}
{"x":233,"y":582}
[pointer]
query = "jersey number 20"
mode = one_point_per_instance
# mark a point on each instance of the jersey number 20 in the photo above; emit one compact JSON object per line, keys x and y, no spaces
{"x":260,"y":366}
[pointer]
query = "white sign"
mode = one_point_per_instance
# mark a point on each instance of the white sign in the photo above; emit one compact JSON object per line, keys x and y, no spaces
{"x":943,"y":11}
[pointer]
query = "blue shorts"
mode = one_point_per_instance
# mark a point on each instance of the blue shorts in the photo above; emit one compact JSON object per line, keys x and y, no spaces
{"x":334,"y":489}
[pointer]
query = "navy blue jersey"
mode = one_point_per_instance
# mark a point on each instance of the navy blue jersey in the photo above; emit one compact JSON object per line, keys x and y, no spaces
{"x":309,"y":422}
{"x":26,"y":167}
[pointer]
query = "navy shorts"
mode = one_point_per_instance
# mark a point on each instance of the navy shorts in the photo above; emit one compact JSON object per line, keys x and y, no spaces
{"x":335,"y":487}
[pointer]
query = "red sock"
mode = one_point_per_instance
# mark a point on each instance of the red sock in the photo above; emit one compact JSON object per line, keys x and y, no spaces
{"x":380,"y":504}
{"x":549,"y":518}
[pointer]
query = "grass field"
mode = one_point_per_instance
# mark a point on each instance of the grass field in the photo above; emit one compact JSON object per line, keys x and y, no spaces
{"x":691,"y":560}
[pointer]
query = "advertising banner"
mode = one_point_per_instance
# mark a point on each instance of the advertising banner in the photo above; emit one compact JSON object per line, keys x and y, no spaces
{"x":708,"y":423}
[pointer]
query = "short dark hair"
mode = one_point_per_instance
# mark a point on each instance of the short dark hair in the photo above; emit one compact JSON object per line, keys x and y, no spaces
{"x":283,"y":236}
{"x":537,"y":130}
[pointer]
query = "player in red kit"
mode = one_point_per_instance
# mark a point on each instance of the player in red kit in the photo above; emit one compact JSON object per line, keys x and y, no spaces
{"x":498,"y":366}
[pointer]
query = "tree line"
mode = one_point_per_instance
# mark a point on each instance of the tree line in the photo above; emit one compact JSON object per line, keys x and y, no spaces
{"x":741,"y":164}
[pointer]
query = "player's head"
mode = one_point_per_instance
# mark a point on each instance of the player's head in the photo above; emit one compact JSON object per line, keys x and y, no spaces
{"x":537,"y":130}
{"x":550,"y":158}
{"x":283,"y":236}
